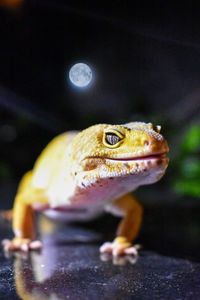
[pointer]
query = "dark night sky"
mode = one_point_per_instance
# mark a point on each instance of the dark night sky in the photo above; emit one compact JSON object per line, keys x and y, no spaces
{"x":153,"y":52}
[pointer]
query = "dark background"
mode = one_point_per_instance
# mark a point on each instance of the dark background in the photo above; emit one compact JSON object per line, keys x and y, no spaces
{"x":146,"y":65}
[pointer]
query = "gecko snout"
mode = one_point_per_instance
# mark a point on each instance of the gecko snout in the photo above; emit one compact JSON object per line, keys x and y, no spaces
{"x":159,"y":146}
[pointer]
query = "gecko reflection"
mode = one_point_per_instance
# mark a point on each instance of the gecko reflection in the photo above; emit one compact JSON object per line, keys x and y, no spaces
{"x":58,"y":272}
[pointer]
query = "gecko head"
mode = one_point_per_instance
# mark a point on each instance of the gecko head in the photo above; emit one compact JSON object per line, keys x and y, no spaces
{"x":136,"y":151}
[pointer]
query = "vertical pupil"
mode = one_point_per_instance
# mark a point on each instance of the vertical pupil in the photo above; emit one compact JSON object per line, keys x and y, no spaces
{"x":112,"y":138}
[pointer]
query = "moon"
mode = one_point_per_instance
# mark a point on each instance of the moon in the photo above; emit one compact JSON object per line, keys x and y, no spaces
{"x":80,"y":75}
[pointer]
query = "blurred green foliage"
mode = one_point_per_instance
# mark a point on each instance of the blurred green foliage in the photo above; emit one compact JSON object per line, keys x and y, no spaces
{"x":187,"y":181}
{"x":191,"y":141}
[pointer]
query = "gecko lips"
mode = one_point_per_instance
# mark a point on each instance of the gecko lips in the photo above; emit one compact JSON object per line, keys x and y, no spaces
{"x":156,"y":156}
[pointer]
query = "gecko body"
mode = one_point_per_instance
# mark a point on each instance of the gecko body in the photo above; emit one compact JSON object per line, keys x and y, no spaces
{"x":81,"y":174}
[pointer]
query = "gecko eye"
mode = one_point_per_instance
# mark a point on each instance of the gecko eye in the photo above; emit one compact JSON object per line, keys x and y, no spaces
{"x":112,"y":138}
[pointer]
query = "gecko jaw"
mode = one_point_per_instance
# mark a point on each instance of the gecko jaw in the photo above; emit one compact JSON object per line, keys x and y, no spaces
{"x":143,"y":164}
{"x":124,"y":166}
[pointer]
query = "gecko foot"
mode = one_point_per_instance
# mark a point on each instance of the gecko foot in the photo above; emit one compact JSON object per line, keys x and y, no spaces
{"x":21,"y":244}
{"x":120,"y":246}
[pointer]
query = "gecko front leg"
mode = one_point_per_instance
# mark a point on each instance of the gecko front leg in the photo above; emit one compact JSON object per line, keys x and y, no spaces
{"x":23,"y":226}
{"x":23,"y":216}
{"x":131,"y":211}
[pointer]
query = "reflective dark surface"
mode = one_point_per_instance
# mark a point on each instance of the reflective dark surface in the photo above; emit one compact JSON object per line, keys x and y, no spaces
{"x":70,"y":266}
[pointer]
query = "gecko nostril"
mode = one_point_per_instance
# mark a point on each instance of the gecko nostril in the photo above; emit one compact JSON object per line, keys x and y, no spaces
{"x":147,"y":143}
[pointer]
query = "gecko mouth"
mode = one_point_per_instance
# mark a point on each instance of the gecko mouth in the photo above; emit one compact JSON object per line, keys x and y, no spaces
{"x":143,"y":157}
{"x":154,"y":156}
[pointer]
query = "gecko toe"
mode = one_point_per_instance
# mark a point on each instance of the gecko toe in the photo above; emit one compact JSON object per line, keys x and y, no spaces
{"x":106,"y":247}
{"x":35,"y":245}
{"x":6,"y":245}
{"x":24,"y":247}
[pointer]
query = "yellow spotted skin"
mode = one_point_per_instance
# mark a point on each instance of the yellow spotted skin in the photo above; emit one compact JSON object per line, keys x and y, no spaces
{"x":92,"y":170}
